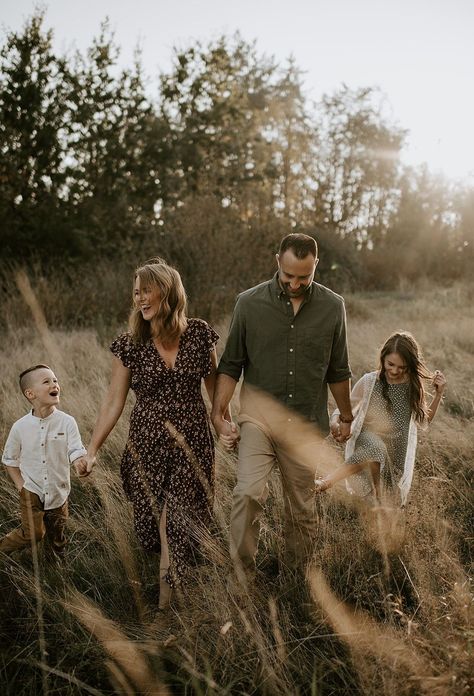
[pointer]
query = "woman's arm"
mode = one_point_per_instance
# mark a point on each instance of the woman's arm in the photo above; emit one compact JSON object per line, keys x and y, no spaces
{"x":210,"y":383}
{"x":210,"y":379}
{"x":110,"y":411}
{"x":225,"y":429}
{"x":439,"y":383}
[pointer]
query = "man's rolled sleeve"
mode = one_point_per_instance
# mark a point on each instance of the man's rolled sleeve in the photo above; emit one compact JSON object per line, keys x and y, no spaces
{"x":338,"y":368}
{"x":11,"y":453}
{"x":234,"y":356}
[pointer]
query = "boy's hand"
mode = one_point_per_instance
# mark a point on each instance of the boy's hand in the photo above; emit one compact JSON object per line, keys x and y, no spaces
{"x":15,"y":475}
{"x":84,"y":465}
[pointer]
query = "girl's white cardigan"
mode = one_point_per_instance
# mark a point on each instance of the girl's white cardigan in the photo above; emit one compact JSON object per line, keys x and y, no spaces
{"x":360,"y":398}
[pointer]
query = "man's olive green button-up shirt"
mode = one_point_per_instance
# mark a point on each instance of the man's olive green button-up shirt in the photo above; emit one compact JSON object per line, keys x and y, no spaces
{"x":291,"y":357}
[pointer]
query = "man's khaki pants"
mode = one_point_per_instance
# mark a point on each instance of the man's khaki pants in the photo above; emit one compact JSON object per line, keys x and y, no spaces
{"x":36,"y":522}
{"x":259,"y":452}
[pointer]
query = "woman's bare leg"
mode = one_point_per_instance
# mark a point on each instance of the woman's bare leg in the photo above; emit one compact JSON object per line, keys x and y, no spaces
{"x":165,"y":589}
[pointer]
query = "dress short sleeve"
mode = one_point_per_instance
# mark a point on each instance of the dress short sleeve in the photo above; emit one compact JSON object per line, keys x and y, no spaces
{"x":204,"y":339}
{"x":211,"y":336}
{"x":124,"y":349}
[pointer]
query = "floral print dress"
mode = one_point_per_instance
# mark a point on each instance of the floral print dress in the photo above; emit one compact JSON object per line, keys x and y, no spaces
{"x":169,"y":456}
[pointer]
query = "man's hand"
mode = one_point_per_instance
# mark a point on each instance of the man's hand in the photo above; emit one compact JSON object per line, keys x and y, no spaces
{"x":341,"y":432}
{"x":344,"y":431}
{"x":228,"y":433}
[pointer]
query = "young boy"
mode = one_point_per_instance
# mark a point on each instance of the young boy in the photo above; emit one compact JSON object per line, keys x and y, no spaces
{"x":37,"y":455}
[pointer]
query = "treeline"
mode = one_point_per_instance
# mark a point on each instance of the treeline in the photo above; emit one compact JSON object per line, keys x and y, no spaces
{"x":229,"y":156}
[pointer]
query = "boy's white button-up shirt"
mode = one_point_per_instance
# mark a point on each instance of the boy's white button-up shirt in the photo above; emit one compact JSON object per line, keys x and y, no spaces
{"x":43,"y":448}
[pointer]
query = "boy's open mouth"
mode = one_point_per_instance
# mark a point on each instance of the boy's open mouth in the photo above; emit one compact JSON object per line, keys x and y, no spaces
{"x":55,"y":392}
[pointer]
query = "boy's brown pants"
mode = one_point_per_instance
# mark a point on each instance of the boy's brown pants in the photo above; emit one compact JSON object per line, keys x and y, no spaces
{"x":36,"y":522}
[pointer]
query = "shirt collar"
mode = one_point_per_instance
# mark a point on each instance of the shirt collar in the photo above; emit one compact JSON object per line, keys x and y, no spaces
{"x":47,"y":417}
{"x":277,"y":290}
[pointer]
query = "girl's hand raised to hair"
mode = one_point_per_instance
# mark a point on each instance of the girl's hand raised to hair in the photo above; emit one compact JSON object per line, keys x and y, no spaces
{"x":439,"y":382}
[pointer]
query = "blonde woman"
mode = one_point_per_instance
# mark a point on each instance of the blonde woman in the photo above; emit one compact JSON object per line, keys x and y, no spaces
{"x":167,"y":467}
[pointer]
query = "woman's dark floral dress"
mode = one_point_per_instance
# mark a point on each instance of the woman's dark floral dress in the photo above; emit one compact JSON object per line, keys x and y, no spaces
{"x":169,"y":457}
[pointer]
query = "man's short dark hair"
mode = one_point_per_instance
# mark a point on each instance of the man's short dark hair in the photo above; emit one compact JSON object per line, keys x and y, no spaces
{"x":300,"y":244}
{"x":25,"y":376}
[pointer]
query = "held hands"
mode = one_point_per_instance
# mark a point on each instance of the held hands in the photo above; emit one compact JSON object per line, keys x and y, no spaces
{"x":228,"y":433}
{"x":84,"y":465}
{"x":439,"y":382}
{"x":341,"y":432}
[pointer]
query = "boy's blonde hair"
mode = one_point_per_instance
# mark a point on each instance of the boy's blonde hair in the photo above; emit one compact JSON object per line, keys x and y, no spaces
{"x":25,"y":376}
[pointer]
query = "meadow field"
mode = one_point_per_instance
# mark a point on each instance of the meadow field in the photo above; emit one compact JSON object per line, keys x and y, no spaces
{"x":384,"y":609}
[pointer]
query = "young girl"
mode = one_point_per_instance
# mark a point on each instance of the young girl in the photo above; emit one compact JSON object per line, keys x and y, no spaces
{"x":388,"y":406}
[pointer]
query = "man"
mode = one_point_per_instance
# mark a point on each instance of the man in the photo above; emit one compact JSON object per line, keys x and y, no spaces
{"x":288,"y":336}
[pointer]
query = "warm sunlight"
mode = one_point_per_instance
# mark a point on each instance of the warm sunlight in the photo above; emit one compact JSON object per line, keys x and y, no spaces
{"x":441,"y":134}
{"x":423,"y":65}
{"x":237,"y":406}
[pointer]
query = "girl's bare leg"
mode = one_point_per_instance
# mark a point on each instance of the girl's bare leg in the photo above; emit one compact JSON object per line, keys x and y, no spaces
{"x":165,"y":589}
{"x":375,"y":471}
{"x":346,"y":470}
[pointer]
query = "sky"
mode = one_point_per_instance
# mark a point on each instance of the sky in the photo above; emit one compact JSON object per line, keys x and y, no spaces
{"x":420,"y":53}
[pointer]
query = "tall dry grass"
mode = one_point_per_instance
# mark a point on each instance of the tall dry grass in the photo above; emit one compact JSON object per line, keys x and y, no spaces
{"x":385,"y":606}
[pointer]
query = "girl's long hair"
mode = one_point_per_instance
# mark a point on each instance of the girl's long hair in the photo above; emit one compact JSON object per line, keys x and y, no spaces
{"x":170,"y":321}
{"x":408,"y":349}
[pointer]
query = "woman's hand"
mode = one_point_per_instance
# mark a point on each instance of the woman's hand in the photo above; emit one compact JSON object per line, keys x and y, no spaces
{"x":85,"y":464}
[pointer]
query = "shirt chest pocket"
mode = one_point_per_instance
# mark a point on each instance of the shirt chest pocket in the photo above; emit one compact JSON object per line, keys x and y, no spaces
{"x":317,"y":347}
{"x":56,"y":442}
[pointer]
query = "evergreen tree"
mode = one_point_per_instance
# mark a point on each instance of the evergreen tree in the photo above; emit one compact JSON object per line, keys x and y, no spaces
{"x":33,"y":119}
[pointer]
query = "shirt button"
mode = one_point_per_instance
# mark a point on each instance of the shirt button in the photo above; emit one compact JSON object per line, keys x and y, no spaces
{"x":292,"y":326}
{"x":291,"y":350}
{"x":290,"y":395}
{"x":288,"y":303}
{"x":291,"y":372}
{"x":289,"y":420}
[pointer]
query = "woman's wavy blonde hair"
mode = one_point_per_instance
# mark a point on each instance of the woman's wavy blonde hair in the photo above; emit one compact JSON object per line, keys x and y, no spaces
{"x":170,"y":321}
